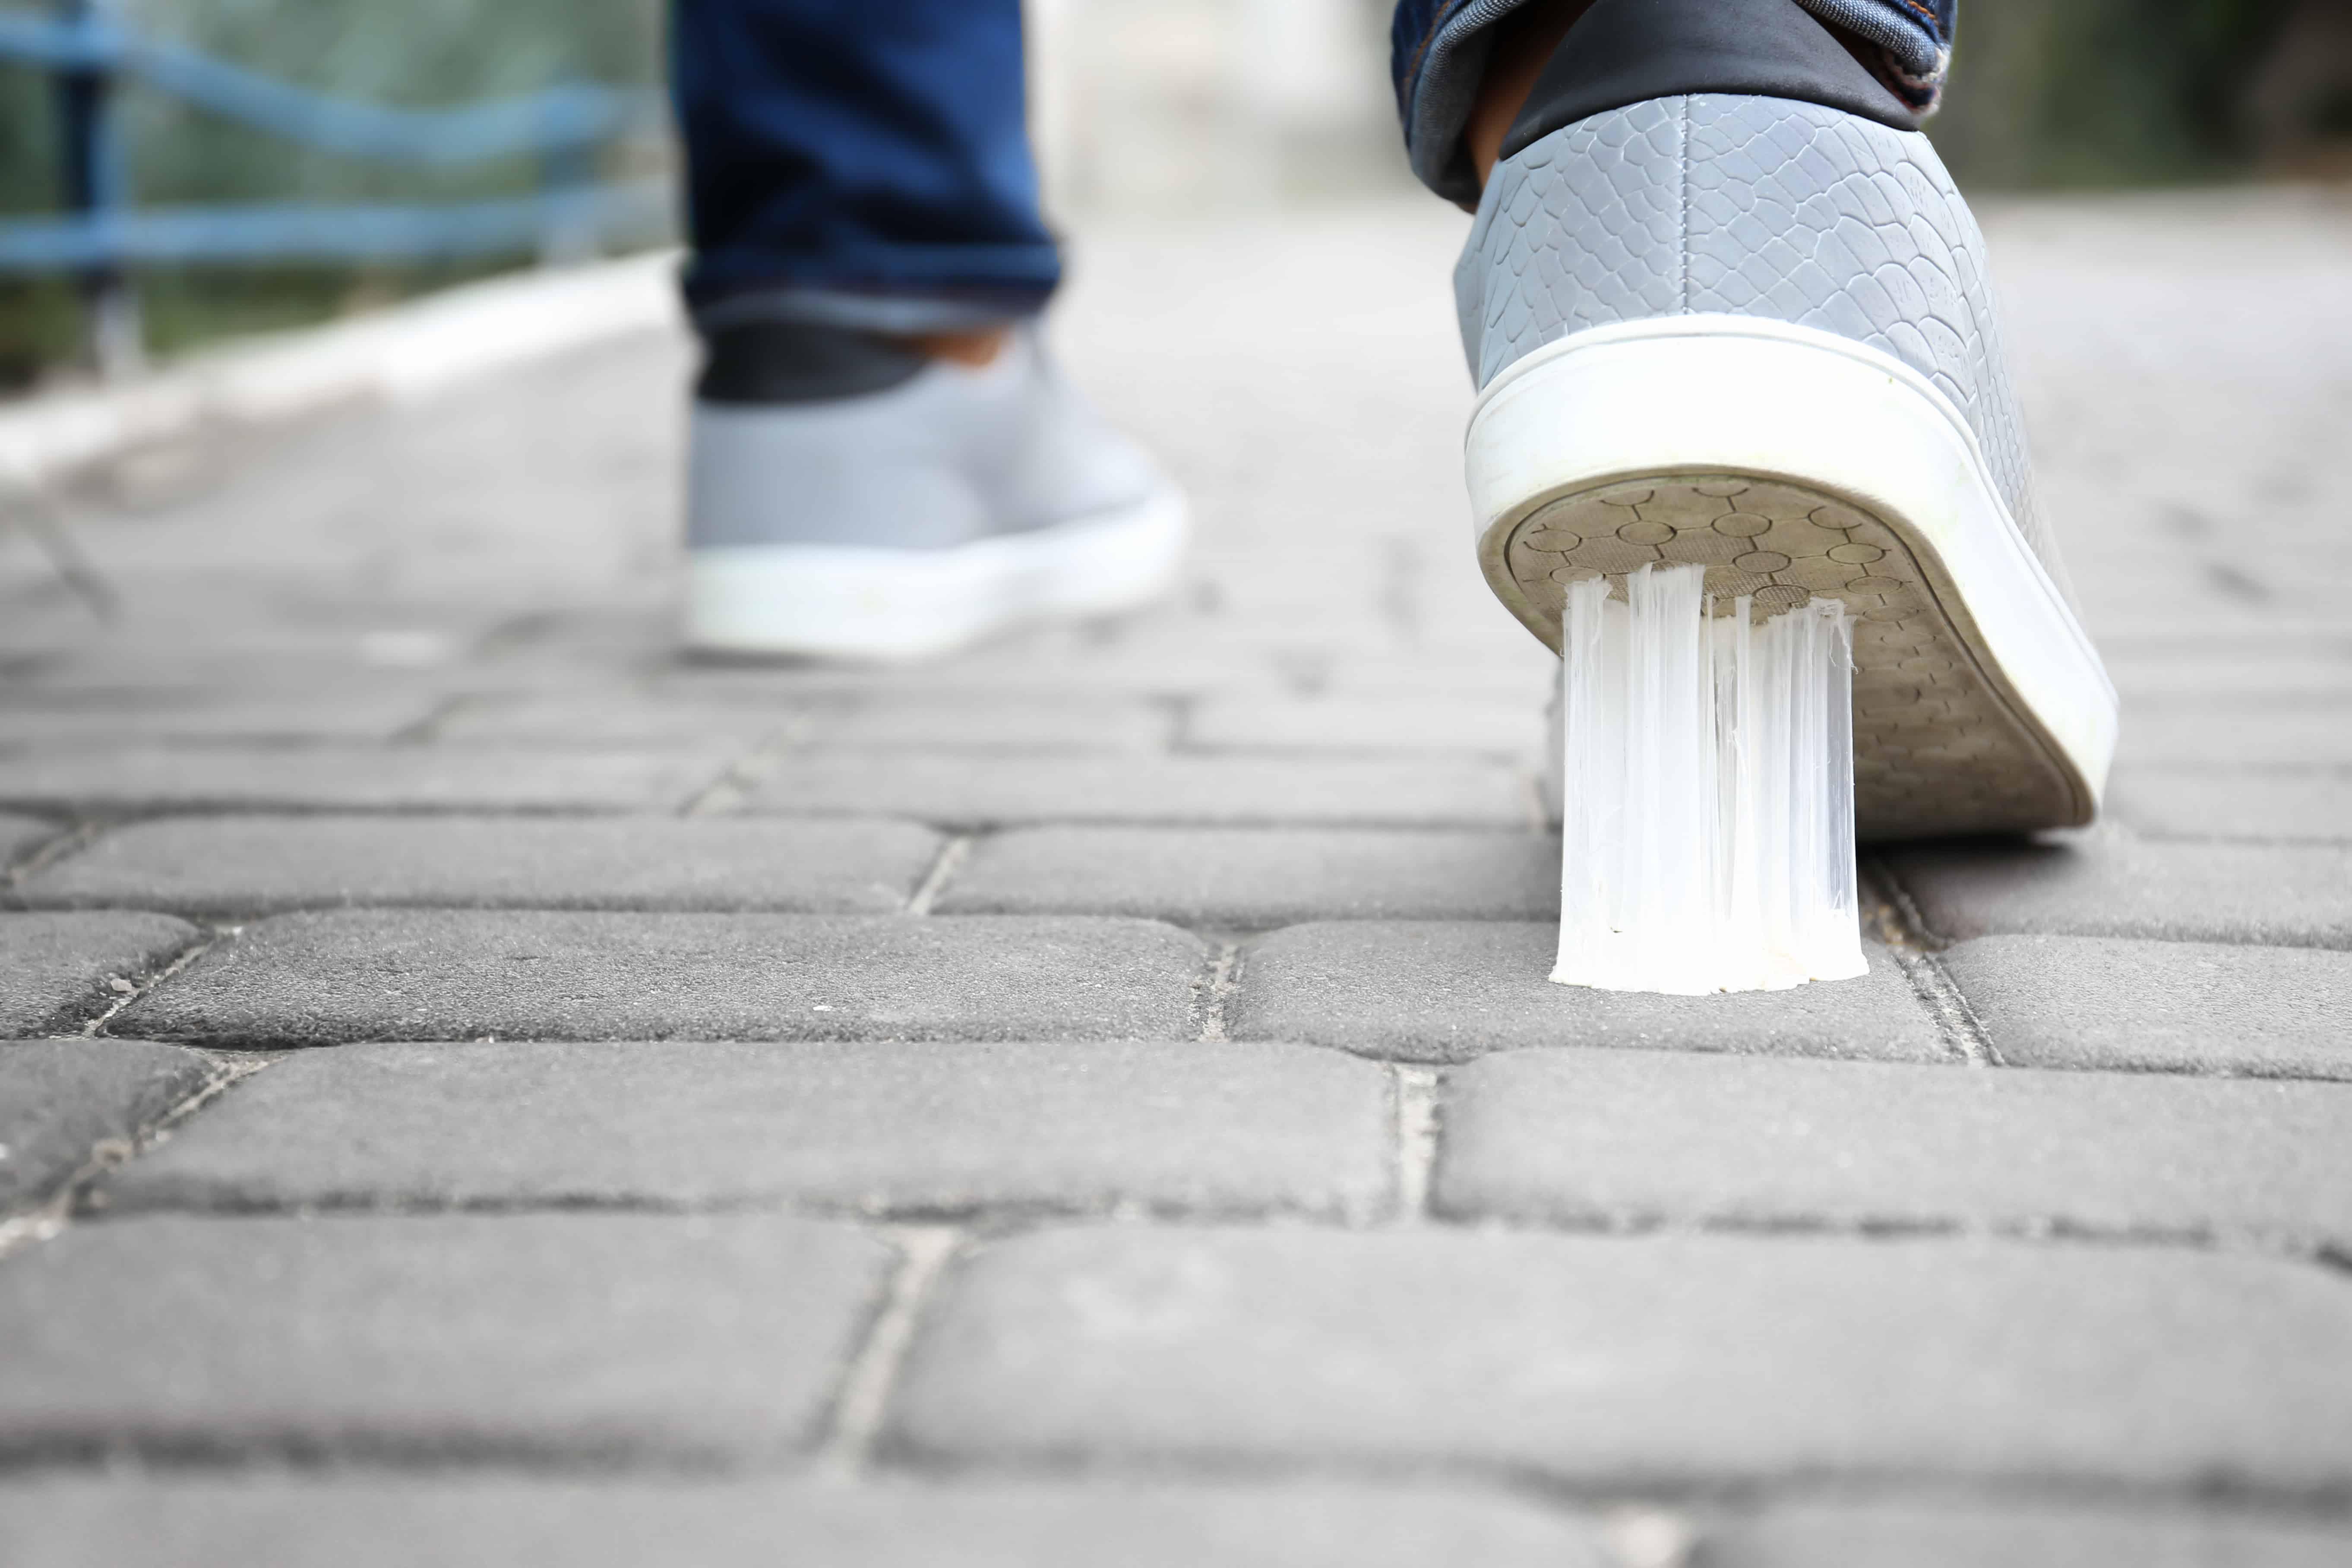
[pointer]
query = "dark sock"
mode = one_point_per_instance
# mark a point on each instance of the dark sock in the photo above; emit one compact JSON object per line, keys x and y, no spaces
{"x":1629,"y":51}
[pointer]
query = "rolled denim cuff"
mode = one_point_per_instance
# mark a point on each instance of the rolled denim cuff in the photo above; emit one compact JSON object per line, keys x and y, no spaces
{"x":1915,"y":44}
{"x":865,"y":312}
{"x":1438,"y":79}
{"x":1440,"y":71}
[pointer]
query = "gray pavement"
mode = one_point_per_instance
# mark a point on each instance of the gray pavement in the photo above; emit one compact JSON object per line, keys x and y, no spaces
{"x":490,"y":1091}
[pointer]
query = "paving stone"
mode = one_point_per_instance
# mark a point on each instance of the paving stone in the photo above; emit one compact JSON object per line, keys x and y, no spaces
{"x":609,"y":718}
{"x":1362,"y":724}
{"x":284,"y":717}
{"x":879,"y":1128}
{"x":1632,"y":1137}
{"x":18,"y":835}
{"x":1071,"y":721}
{"x":1649,"y":1361}
{"x":2244,"y":734}
{"x":1448,"y":991}
{"x":985,"y":791}
{"x":441,"y":1336}
{"x":58,"y":970}
{"x":428,"y":975}
{"x":1952,"y":1535}
{"x":416,"y":778}
{"x":2100,"y":1002}
{"x":60,"y":1099}
{"x":2111,"y":884}
{"x":648,"y":1522}
{"x":2213,"y":681}
{"x":2233,"y":803}
{"x":1251,"y":877}
{"x":255,"y":864}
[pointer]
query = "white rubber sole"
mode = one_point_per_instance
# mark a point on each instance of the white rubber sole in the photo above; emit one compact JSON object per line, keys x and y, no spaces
{"x":851,"y":601}
{"x":1792,"y":462}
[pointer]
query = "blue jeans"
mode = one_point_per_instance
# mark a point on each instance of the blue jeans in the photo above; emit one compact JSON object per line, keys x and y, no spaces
{"x":866,"y":163}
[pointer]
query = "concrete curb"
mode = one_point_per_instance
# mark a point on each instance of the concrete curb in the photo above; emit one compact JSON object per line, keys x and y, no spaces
{"x":409,"y":352}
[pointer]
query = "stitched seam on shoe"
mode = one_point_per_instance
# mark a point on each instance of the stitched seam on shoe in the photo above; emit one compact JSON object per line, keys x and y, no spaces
{"x":1682,"y":173}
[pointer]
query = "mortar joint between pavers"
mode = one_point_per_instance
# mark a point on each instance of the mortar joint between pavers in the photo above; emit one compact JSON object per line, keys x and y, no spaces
{"x":738,"y":779}
{"x":1213,"y":992}
{"x":52,"y":1214}
{"x":853,"y":1428}
{"x":1900,"y":920}
{"x":1894,"y":919}
{"x":66,"y":841}
{"x":427,"y":727}
{"x":206,"y":941}
{"x":954,"y":852}
{"x":1414,"y":1091}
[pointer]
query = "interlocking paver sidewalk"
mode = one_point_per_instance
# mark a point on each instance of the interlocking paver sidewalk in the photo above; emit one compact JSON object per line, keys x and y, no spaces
{"x":2102,"y":1002}
{"x":1942,"y":1536}
{"x":2234,"y":804}
{"x":440,"y":974}
{"x":65,"y":1103}
{"x":394,"y":778}
{"x":1640,"y":1360}
{"x":1098,"y":1098}
{"x":985,"y":789}
{"x":2110,"y":884}
{"x":19,"y":835}
{"x":58,"y":970}
{"x":1251,"y":878}
{"x":1437,"y":991}
{"x":585,"y":1335}
{"x":918,"y":1130}
{"x":399,"y":1522}
{"x":262,"y":865}
{"x":1623,"y":1139}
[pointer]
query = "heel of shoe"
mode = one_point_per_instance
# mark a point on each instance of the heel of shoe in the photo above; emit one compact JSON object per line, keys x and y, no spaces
{"x":1707,"y":770}
{"x":1796,"y":466}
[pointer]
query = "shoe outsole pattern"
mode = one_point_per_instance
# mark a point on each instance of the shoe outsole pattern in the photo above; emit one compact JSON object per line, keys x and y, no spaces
{"x":1941,"y":745}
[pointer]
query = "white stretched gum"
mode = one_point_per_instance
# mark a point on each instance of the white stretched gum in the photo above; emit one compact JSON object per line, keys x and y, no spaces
{"x":1708,"y":838}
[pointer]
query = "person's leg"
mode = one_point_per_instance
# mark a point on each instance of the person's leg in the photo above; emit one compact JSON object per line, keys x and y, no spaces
{"x":1457,"y":64}
{"x":862,"y":164}
{"x":883,"y":461}
{"x":1718,"y":276}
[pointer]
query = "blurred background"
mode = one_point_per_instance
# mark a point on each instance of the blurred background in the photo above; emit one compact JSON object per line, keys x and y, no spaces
{"x":1141,"y":108}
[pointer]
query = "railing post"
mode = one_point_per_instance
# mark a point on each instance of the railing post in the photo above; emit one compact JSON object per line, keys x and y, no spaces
{"x":567,"y":173}
{"x":98,"y":186}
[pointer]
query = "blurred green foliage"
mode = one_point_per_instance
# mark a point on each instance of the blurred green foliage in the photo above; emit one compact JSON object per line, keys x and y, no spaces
{"x":2073,"y":93}
{"x":416,"y":53}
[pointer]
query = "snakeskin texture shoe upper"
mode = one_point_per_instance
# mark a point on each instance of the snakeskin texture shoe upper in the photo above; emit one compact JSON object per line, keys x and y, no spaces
{"x":1751,"y":207}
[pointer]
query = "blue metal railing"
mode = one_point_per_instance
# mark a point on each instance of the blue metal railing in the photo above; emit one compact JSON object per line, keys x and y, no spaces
{"x":89,"y":54}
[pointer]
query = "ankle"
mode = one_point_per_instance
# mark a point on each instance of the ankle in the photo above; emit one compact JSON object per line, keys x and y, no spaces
{"x":1524,"y":43}
{"x":975,"y":348}
{"x":1527,"y":41}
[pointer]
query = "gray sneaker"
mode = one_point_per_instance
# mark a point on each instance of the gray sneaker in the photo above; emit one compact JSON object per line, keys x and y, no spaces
{"x":848,"y":498}
{"x":1756,"y":332}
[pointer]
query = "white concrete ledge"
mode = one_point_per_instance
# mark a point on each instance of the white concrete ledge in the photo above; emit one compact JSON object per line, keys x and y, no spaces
{"x":408,"y":351}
